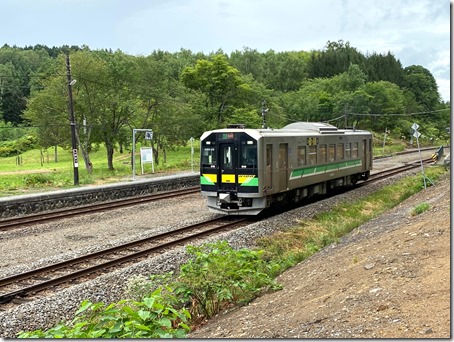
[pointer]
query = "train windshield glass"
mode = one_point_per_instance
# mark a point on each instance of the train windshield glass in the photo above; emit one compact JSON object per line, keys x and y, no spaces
{"x":248,"y":154}
{"x":209,"y":156}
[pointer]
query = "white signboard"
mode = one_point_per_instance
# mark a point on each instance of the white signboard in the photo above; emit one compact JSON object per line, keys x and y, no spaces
{"x":415,"y":126}
{"x":146,"y":156}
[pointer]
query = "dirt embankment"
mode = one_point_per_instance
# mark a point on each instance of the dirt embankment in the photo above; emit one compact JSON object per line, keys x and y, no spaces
{"x":390,"y":278}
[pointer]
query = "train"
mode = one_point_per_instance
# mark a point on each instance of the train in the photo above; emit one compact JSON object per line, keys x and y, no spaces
{"x":243,"y":171}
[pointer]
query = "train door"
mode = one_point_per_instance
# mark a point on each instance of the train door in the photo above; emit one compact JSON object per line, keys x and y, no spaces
{"x":283,"y":167}
{"x":227,"y":166}
{"x":269,"y":167}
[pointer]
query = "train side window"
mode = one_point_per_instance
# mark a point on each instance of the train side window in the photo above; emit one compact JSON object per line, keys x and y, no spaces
{"x":355,"y":150}
{"x":332,"y":152}
{"x":348,"y":150}
{"x":209,"y":156}
{"x":312,"y":154}
{"x":301,"y":154}
{"x":340,"y":151}
{"x":322,"y":150}
{"x":269,"y":155}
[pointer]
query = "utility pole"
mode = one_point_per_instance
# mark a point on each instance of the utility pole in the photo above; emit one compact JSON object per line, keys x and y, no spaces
{"x":71,"y":120}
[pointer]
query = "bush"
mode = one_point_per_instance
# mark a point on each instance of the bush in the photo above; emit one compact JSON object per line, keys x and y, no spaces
{"x":37,"y":179}
{"x":153,"y":317}
{"x":217,"y":275}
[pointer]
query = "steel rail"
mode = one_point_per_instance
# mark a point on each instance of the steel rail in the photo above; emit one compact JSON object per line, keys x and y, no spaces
{"x":31,"y":276}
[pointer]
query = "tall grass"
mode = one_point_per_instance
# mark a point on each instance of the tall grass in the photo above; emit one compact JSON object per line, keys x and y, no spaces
{"x":294,"y":245}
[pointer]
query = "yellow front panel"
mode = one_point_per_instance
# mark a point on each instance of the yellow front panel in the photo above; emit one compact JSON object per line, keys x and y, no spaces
{"x":228,"y":179}
{"x":244,"y":178}
{"x":211,"y":177}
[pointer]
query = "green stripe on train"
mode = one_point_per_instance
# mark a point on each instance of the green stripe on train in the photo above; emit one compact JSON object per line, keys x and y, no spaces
{"x":252,"y":182}
{"x":312,"y":170}
{"x":205,"y":181}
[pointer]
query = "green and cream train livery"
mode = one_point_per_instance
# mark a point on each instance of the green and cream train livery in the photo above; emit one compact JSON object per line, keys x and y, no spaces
{"x":243,"y":171}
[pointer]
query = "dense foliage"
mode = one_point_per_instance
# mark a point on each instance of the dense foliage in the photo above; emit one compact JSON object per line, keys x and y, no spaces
{"x":180,"y":95}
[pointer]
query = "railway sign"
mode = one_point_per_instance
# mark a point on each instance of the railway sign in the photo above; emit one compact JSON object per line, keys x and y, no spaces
{"x":76,"y":159}
{"x":416,"y":134}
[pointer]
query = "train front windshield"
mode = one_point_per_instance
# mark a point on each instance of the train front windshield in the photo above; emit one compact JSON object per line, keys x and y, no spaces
{"x":209,"y":156}
{"x":248,"y":155}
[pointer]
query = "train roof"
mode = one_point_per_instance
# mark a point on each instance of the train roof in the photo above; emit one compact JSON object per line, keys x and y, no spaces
{"x":293,"y":129}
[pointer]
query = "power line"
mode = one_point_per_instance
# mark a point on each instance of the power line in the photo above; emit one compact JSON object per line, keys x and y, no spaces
{"x":400,"y":114}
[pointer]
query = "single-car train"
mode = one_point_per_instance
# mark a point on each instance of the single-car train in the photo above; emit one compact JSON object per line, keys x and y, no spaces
{"x":243,"y":171}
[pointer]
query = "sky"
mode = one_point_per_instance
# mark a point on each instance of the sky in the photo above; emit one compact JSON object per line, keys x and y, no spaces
{"x":416,"y":32}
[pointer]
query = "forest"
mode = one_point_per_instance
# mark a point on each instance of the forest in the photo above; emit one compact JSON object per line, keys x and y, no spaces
{"x":180,"y":95}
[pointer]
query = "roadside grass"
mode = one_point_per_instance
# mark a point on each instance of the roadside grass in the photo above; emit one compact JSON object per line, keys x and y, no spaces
{"x":217,"y":277}
{"x":389,"y":149}
{"x":40,"y":172}
{"x":310,"y":235}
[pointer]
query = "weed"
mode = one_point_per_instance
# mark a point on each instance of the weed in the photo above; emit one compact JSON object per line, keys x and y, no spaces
{"x":420,"y":208}
{"x":153,"y":317}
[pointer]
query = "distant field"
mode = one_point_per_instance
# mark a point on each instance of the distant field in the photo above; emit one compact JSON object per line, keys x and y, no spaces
{"x":36,"y":171}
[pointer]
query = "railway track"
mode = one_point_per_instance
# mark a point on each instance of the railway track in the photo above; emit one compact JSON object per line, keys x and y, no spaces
{"x":16,"y":222}
{"x":29,"y":283}
{"x":20,"y":286}
{"x":390,"y":172}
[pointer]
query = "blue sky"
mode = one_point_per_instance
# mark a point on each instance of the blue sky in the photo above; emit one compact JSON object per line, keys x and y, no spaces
{"x":414,"y":31}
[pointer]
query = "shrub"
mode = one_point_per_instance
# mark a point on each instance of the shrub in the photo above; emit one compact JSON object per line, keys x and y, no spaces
{"x":37,"y":179}
{"x":217,"y":275}
{"x":153,"y":317}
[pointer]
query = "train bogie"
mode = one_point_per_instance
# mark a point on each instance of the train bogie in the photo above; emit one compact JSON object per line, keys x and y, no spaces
{"x":244,"y":171}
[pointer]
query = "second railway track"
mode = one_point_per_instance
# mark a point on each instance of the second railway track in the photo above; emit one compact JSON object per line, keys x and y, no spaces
{"x":16,"y":222}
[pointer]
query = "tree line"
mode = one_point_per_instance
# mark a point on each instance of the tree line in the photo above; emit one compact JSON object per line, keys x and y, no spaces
{"x":179,"y":95}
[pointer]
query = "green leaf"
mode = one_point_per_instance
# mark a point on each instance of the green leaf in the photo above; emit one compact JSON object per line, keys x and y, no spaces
{"x":83,"y":306}
{"x":149,"y":302}
{"x":164,"y":322}
{"x":142,"y":327}
{"x":144,"y":314}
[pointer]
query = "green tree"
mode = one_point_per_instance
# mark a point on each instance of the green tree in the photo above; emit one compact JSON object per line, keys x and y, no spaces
{"x":218,"y":81}
{"x":386,"y":100}
{"x":421,"y":82}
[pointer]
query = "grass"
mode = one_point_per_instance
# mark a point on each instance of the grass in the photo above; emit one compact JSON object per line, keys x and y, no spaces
{"x":41,"y":172}
{"x":294,"y":245}
{"x":420,"y":208}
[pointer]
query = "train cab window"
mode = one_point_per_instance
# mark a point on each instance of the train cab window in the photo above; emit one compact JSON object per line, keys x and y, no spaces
{"x":322,"y":150}
{"x":248,"y":154}
{"x":301,"y":155}
{"x":209,"y":156}
{"x":312,"y":154}
{"x":331,"y":152}
{"x":340,"y":152}
{"x":355,"y":150}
